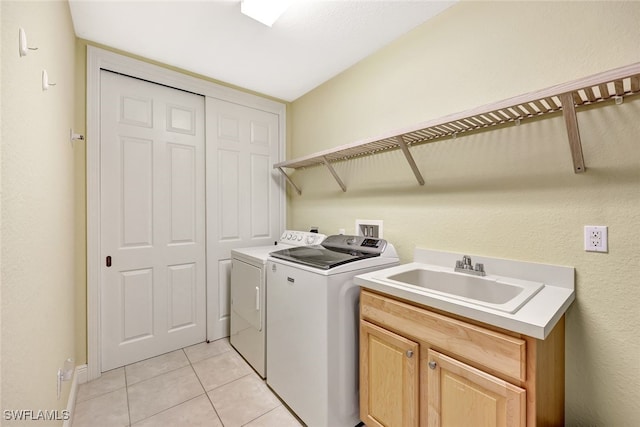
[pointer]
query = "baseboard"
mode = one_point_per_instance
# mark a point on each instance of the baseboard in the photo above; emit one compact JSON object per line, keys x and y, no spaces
{"x":80,"y":376}
{"x":83,"y":374}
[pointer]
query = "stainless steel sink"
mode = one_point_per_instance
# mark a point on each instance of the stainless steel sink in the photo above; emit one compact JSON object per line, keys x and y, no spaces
{"x":500,"y":293}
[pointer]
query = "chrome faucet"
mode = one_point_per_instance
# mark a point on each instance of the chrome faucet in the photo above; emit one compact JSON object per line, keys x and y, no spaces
{"x":466,"y":266}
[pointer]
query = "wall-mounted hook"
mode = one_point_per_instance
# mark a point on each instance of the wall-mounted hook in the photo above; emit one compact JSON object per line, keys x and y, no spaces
{"x":75,"y":136}
{"x":619,"y":100}
{"x":45,"y":81}
{"x":22,"y":43}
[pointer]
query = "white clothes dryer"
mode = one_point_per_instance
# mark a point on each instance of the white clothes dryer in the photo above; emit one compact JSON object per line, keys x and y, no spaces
{"x":248,"y":291}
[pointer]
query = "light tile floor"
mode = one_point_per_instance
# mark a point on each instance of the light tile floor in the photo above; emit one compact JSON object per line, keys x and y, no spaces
{"x":202,"y":385}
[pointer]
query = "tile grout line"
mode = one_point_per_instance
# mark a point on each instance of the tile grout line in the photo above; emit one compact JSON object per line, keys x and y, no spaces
{"x":177,"y":404}
{"x":260,"y":416}
{"x":238,"y":379}
{"x":264,"y":382}
{"x":209,"y":357}
{"x":190,"y":364}
{"x":167,"y":409}
{"x":126,"y":388}
{"x":204,"y":388}
{"x":101,"y":394}
{"x":230,"y":350}
{"x":162,"y":373}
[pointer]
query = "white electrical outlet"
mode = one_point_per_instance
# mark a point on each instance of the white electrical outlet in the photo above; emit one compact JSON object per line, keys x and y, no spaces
{"x":595,"y":238}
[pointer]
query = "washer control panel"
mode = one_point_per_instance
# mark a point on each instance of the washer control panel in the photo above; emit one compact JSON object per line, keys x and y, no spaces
{"x":357,"y":243}
{"x":301,"y":238}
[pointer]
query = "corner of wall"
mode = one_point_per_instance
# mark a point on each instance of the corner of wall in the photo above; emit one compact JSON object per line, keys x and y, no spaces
{"x":1,"y":136}
{"x":37,"y":197}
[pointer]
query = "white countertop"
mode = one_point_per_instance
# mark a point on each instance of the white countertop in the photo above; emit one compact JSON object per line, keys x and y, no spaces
{"x":536,"y":318}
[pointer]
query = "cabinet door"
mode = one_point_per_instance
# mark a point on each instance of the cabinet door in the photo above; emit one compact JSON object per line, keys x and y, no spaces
{"x":388,"y":378}
{"x":461,"y":395}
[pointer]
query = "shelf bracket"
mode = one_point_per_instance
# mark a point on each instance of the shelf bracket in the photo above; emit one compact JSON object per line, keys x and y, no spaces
{"x":333,"y":172}
{"x":405,"y":150}
{"x":290,"y":181}
{"x":571,"y":120}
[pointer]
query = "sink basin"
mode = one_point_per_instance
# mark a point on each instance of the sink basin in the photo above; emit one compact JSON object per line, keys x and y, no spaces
{"x":500,"y":293}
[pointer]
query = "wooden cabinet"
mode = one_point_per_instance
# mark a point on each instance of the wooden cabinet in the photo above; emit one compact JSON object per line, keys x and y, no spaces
{"x":460,"y":372}
{"x":459,"y":393}
{"x":389,"y":379}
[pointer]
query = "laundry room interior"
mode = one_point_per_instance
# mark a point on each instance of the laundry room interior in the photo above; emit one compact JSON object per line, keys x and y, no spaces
{"x":450,"y":214}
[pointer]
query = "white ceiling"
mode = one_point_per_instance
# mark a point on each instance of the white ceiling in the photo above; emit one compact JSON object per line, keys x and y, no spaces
{"x":312,"y":42}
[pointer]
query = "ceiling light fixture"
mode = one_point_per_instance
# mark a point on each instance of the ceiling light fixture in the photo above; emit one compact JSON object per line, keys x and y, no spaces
{"x":265,"y":11}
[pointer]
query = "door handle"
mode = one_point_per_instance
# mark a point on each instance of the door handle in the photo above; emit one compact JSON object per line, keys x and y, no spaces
{"x":257,"y":298}
{"x":109,"y":261}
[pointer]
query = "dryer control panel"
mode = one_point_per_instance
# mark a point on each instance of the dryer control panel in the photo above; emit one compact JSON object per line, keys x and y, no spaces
{"x":301,"y":238}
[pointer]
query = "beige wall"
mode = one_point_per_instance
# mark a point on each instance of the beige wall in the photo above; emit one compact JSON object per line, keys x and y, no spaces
{"x":507,"y":193}
{"x":80,"y":206}
{"x":1,"y":210}
{"x":37,"y":221}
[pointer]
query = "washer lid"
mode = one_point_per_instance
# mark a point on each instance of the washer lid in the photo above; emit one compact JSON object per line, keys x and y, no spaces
{"x":320,"y":257}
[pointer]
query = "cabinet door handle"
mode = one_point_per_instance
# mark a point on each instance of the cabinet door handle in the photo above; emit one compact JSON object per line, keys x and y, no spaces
{"x":409,"y":354}
{"x":432,"y":365}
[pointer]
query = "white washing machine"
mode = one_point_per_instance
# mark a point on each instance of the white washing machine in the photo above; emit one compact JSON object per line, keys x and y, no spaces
{"x":248,"y":286}
{"x":312,"y":350}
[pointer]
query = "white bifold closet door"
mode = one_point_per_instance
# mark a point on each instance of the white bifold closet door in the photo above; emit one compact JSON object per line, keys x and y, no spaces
{"x":244,"y":195}
{"x":153,"y":276}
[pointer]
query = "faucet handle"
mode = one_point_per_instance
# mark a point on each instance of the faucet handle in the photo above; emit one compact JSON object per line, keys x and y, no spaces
{"x":458,"y":264}
{"x":479,"y":267}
